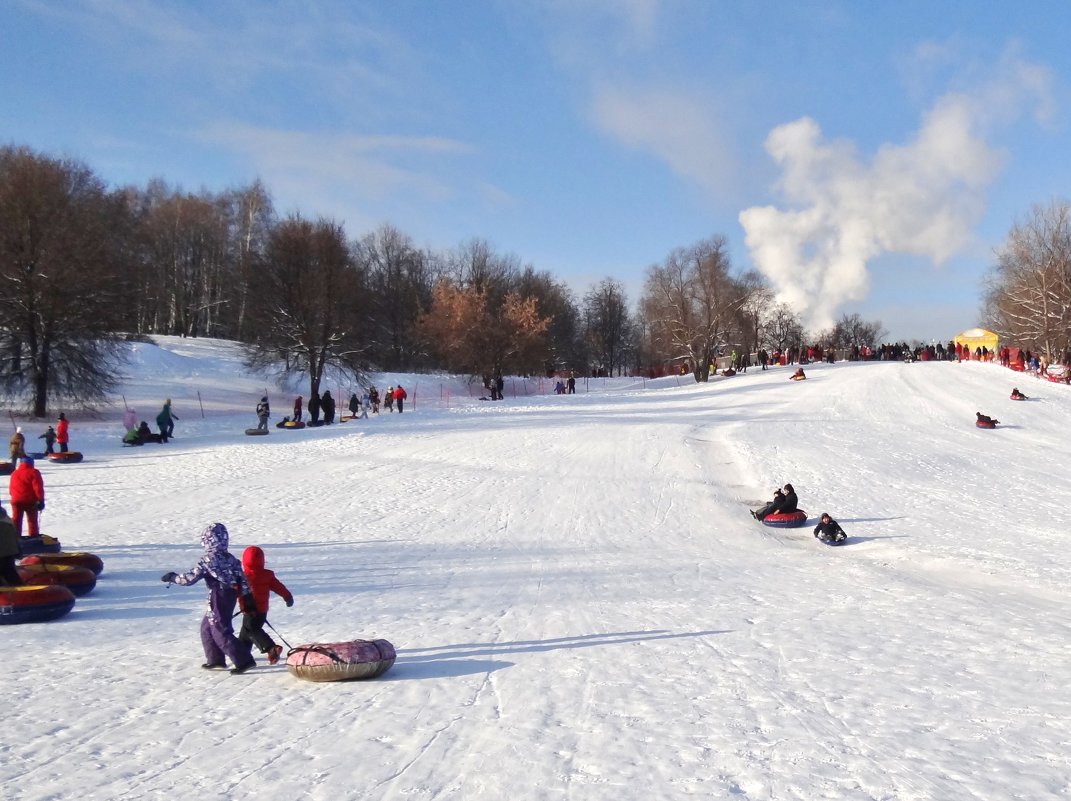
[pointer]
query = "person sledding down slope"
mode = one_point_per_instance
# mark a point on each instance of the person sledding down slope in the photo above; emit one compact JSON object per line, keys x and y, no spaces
{"x":784,"y":502}
{"x":985,"y":420}
{"x":226,"y":582}
{"x":1017,"y":395}
{"x":262,"y":582}
{"x":829,"y":529}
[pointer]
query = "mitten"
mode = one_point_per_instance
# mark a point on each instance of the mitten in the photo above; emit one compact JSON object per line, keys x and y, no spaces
{"x":169,"y":578}
{"x":290,"y":601}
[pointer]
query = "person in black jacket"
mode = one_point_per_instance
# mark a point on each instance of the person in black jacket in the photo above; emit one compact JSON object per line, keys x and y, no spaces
{"x":829,"y":529}
{"x":327,"y":405}
{"x":314,"y":408}
{"x":784,"y":502}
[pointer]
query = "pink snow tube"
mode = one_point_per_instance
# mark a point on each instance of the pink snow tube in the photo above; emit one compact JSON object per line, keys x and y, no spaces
{"x":786,"y":520}
{"x":341,"y":661}
{"x":984,"y":424}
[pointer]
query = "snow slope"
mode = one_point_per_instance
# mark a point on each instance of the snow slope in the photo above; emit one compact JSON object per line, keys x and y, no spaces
{"x":583,"y":609}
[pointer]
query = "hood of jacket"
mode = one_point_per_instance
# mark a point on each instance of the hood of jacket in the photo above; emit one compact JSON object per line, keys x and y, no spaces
{"x":253,"y":559}
{"x":215,"y":538}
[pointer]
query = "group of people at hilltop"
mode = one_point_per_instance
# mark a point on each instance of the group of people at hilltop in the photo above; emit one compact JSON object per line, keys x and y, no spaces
{"x":140,"y":433}
{"x":358,"y":407}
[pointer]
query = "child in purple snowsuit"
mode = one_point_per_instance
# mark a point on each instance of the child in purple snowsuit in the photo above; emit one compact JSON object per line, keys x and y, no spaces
{"x":222,"y":573}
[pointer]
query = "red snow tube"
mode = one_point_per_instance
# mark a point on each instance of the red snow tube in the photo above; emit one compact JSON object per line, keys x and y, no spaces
{"x":34,"y":604}
{"x":786,"y":519}
{"x":984,"y":424}
{"x":340,"y":661}
{"x":90,"y":561}
{"x":42,"y":543}
{"x":70,"y":457}
{"x":79,"y":580}
{"x":1017,"y":397}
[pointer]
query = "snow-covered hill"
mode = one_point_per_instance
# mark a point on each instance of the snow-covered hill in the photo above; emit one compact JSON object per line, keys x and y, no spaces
{"x":582,"y":606}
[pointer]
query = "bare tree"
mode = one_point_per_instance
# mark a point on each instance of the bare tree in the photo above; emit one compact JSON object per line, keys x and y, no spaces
{"x":1028,"y":295}
{"x":61,"y":283}
{"x":399,"y":278}
{"x":608,"y":323}
{"x":306,"y":305}
{"x":690,"y":303}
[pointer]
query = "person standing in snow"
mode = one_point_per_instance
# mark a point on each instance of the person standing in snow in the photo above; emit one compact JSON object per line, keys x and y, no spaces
{"x":166,"y":421}
{"x":62,"y":434}
{"x":327,"y":404}
{"x":16,"y":446}
{"x":50,"y":439}
{"x":226,"y":583}
{"x":354,"y":405}
{"x":314,"y":408}
{"x":829,"y":529}
{"x":366,"y":404}
{"x":263,"y":413}
{"x":298,"y":401}
{"x":399,"y":397}
{"x":373,"y":396}
{"x":9,"y":551}
{"x":26,"y":489}
{"x":388,"y":398}
{"x":262,"y":583}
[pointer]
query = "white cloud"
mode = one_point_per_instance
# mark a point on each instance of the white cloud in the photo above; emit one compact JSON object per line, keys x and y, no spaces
{"x":678,"y":128}
{"x":922,"y":197}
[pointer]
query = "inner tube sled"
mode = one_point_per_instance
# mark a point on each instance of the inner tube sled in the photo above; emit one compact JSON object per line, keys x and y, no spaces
{"x":986,"y":423}
{"x":79,"y":580}
{"x":68,"y":457}
{"x":786,"y":519}
{"x":341,"y":661}
{"x":42,"y":543}
{"x":290,"y":424}
{"x":34,"y":604}
{"x":256,"y":432}
{"x":90,"y":561}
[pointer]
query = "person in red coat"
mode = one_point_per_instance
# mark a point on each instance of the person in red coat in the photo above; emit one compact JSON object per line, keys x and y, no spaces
{"x":262,"y":583}
{"x":61,"y":433}
{"x":399,"y":397}
{"x":27,"y":491}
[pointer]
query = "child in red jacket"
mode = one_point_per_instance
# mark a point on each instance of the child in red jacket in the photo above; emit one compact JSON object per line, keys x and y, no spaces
{"x":262,"y":582}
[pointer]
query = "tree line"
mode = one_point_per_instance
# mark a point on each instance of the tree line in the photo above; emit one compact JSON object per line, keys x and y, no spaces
{"x":84,"y":266}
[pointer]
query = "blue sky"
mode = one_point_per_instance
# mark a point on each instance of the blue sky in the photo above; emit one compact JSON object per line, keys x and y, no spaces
{"x":868,"y":157}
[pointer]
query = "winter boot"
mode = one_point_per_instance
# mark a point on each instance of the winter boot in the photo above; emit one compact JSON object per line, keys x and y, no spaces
{"x":273,"y":654}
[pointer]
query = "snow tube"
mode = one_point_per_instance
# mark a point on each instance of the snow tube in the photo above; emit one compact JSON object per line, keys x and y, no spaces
{"x":786,"y":520}
{"x":34,"y":604}
{"x":70,"y":457}
{"x":79,"y":580}
{"x":1057,"y":379}
{"x":314,"y":423}
{"x":256,"y":432}
{"x":1017,"y":397}
{"x":291,"y":424}
{"x":42,"y":543}
{"x":340,"y":661}
{"x":984,"y":424}
{"x":90,"y":561}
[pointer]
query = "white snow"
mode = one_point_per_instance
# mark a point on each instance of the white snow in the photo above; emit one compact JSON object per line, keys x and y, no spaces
{"x":582,"y":606}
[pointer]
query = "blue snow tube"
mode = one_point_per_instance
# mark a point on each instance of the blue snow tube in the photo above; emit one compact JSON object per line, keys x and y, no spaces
{"x":42,"y":543}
